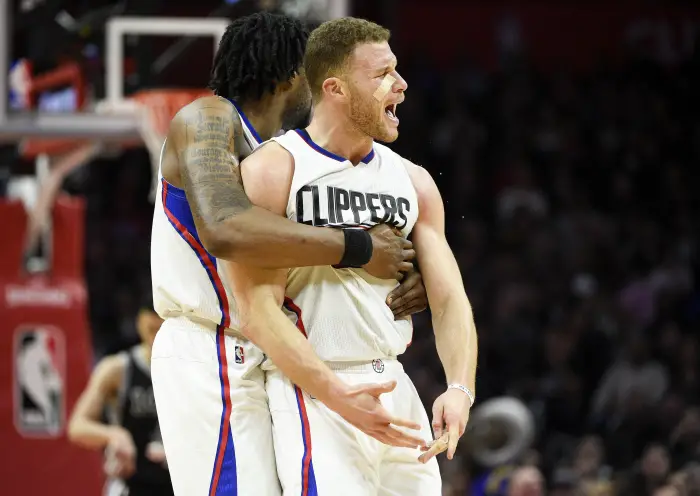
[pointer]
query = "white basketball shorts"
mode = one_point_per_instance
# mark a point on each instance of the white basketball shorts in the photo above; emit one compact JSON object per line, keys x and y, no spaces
{"x":213,"y":412}
{"x":319,"y":453}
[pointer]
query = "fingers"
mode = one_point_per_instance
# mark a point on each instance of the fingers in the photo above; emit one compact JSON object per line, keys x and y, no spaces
{"x":409,"y":424}
{"x":402,"y":311}
{"x":395,"y":298}
{"x":435,"y":448}
{"x":386,"y":429}
{"x":412,"y":278}
{"x":120,"y":465}
{"x":407,"y":245}
{"x":411,"y":298}
{"x":452,"y":438}
{"x":409,"y":255}
{"x":129,"y":468}
{"x":380,"y":228}
{"x":404,"y":439}
{"x":375,"y":389}
{"x":405,"y":267}
{"x":406,"y":288}
{"x":389,"y":440}
{"x":437,"y":419}
{"x":392,"y":436}
{"x":407,"y":311}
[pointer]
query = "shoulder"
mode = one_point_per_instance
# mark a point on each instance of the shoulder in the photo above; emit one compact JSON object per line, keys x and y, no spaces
{"x":205,"y":103}
{"x":386,"y":152}
{"x":270,"y":157}
{"x":112,"y":365}
{"x":430,"y":203}
{"x":109,"y":372}
{"x":421,"y":178}
{"x":415,"y":172}
{"x":203,"y":108}
{"x":267,"y":176}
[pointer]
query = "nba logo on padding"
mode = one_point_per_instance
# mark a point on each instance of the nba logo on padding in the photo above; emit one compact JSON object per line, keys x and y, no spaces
{"x":39,"y":381}
{"x":240,"y":354}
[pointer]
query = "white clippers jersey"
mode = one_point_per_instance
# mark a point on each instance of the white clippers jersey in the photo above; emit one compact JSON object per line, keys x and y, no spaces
{"x":344,"y":311}
{"x":187,"y":281}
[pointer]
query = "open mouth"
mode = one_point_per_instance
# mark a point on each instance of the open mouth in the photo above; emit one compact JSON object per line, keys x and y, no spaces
{"x":390,"y":111}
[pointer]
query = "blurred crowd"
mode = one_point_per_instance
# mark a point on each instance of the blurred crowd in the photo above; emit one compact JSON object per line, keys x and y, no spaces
{"x":572,"y":209}
{"x":571,"y":206}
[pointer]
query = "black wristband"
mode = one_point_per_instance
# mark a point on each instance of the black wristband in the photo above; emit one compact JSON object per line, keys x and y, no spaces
{"x":358,"y":248}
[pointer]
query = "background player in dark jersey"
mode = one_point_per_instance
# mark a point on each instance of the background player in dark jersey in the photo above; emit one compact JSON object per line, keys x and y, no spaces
{"x":120,"y":390}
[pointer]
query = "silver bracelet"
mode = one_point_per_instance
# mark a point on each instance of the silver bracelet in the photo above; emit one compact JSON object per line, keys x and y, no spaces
{"x":465,"y":390}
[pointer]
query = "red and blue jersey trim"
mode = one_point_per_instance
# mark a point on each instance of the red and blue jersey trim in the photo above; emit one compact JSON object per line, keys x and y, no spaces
{"x":247,"y":123}
{"x":308,"y":478}
{"x":177,"y":210}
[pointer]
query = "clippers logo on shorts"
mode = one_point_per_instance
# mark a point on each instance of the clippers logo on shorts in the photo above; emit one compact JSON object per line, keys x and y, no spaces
{"x":39,"y":381}
{"x":331,"y":206}
{"x":239,"y":355}
{"x":378,"y":365}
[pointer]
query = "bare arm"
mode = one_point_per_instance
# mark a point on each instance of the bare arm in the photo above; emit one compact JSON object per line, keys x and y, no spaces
{"x":259,"y":292}
{"x":259,"y":295}
{"x":85,"y":427}
{"x":229,"y":225}
{"x":453,"y":322}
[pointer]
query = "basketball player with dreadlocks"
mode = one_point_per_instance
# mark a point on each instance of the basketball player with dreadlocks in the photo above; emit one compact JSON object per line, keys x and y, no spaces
{"x":208,"y":384}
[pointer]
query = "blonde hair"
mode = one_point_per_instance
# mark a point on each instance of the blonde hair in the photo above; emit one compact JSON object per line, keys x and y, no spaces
{"x":331,"y":44}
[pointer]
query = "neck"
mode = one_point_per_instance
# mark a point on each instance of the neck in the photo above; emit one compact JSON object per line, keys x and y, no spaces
{"x":338,"y":134}
{"x":265,"y":115}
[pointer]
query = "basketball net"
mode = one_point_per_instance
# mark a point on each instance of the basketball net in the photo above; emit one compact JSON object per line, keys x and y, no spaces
{"x":152,"y":112}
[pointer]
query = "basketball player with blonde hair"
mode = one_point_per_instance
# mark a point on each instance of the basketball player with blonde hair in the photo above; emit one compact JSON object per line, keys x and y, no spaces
{"x":335,"y":173}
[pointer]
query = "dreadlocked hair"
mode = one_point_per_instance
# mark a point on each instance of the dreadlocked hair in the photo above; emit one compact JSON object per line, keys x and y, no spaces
{"x":256,"y":53}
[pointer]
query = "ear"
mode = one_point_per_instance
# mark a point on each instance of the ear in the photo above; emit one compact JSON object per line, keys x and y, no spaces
{"x":334,"y":87}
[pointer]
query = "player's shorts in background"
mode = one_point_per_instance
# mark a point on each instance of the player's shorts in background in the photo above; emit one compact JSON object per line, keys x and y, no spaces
{"x":319,"y":453}
{"x":213,"y":412}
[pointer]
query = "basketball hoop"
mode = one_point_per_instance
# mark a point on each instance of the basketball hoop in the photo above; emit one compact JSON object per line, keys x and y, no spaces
{"x":152,"y":110}
{"x":156,"y":109}
{"x":162,"y":105}
{"x":60,"y":142}
{"x":68,"y":74}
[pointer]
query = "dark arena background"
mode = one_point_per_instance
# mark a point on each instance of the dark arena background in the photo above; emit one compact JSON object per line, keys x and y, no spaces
{"x":565,"y":139}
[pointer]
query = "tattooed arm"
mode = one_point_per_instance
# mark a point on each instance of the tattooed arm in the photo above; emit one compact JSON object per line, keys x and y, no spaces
{"x":231,"y":228}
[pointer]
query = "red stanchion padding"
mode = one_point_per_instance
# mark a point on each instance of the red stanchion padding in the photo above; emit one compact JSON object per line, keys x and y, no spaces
{"x":45,"y":346}
{"x":14,"y":224}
